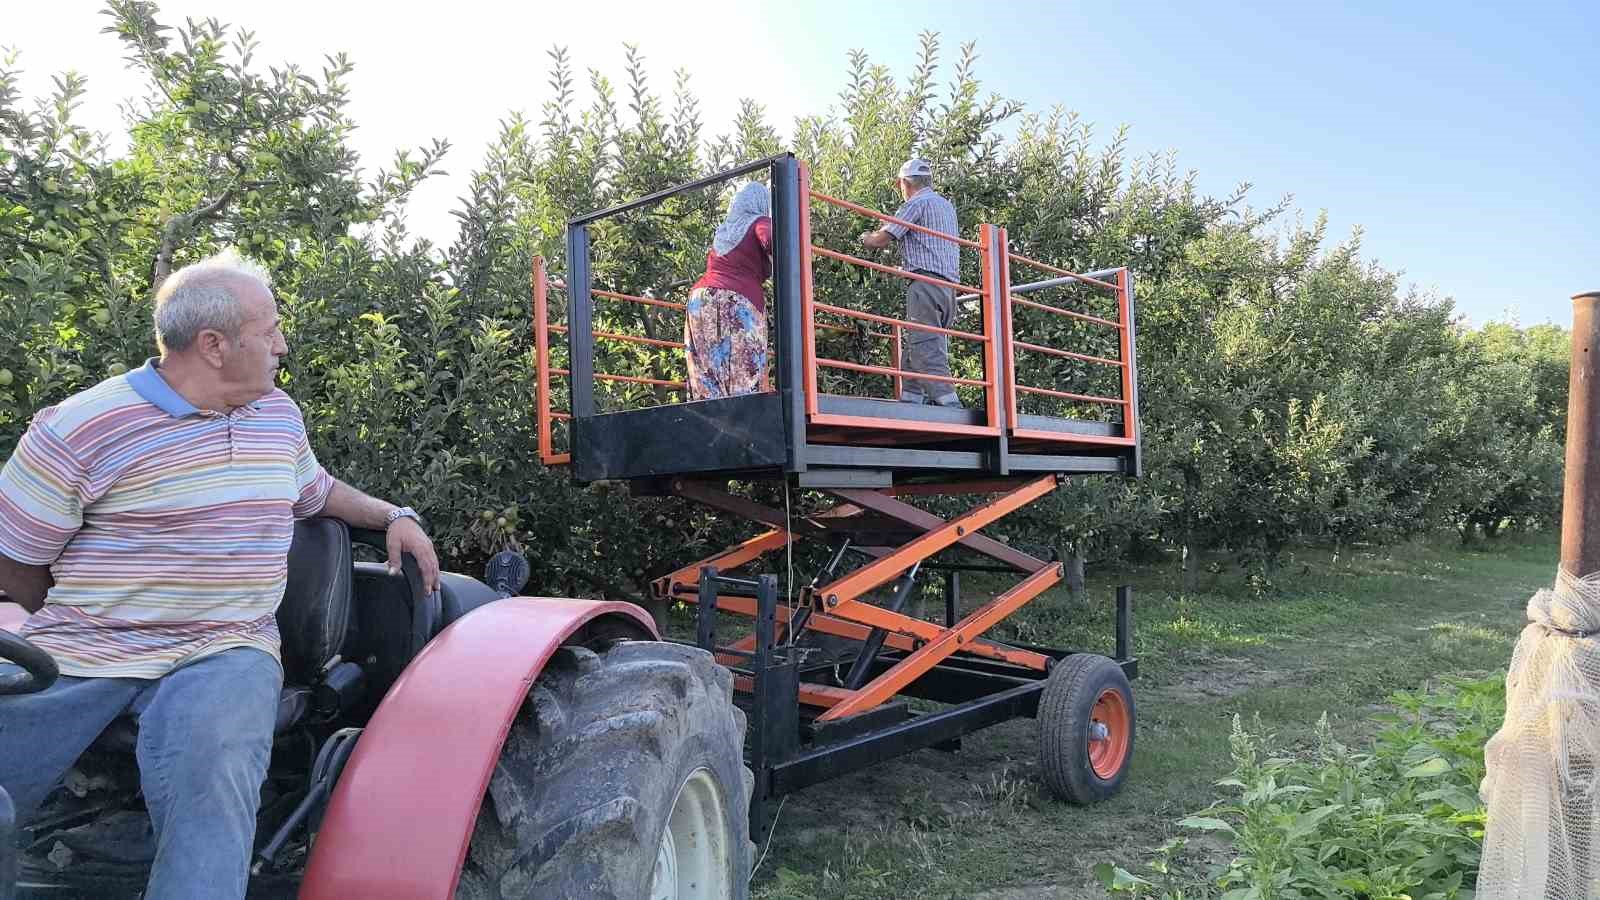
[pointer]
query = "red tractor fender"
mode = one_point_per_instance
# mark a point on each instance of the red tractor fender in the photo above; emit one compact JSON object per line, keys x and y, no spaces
{"x":403,"y":811}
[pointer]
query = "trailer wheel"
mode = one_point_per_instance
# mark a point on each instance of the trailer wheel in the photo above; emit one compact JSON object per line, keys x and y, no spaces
{"x":1086,"y":728}
{"x":622,"y":777}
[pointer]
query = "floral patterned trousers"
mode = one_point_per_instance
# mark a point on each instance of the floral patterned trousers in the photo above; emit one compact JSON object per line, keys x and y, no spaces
{"x":725,"y":338}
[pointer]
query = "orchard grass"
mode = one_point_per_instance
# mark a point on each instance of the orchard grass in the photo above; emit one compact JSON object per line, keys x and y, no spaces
{"x":1339,"y":635}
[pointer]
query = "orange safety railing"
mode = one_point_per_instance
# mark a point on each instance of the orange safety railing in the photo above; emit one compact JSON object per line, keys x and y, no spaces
{"x":1121,"y":289}
{"x":810,"y":307}
{"x":543,"y":328}
{"x":546,"y":372}
{"x":541,"y":351}
{"x":997,"y":337}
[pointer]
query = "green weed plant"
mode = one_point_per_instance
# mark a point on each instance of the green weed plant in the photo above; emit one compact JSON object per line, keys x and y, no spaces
{"x":1399,"y":821}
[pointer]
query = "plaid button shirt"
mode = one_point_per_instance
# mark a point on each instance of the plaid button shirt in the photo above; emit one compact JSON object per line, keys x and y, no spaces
{"x":923,"y":251}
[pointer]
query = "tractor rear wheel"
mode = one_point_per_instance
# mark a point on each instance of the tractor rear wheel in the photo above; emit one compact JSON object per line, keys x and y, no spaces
{"x":622,"y":777}
{"x":1086,"y":728}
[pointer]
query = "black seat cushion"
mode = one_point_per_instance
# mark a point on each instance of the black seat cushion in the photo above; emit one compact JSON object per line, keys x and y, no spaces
{"x":459,"y":595}
{"x":315,"y":613}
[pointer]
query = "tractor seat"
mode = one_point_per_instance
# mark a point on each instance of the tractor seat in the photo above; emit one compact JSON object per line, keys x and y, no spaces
{"x":312,"y":621}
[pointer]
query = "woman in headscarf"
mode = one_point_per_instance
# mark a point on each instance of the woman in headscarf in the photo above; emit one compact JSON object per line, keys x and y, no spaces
{"x":725,"y":330}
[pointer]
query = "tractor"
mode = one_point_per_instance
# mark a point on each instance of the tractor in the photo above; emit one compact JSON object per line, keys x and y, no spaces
{"x":465,"y":743}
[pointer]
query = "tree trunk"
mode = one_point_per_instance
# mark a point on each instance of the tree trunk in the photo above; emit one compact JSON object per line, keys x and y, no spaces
{"x":1191,"y":567}
{"x":1073,"y":563}
{"x":1191,"y":554}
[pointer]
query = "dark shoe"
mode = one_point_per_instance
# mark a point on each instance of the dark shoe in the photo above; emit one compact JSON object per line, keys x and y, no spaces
{"x":121,"y":837}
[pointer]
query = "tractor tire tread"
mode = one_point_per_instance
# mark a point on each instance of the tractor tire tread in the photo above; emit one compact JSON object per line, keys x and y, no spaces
{"x":581,"y":792}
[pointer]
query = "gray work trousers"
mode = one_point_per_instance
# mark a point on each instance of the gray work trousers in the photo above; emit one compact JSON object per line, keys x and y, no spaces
{"x":926,"y":352}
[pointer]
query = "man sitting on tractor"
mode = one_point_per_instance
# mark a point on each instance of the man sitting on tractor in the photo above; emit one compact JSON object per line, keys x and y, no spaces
{"x":145,"y":523}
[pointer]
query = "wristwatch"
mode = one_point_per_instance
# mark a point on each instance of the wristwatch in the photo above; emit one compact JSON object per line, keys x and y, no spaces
{"x":402,"y":512}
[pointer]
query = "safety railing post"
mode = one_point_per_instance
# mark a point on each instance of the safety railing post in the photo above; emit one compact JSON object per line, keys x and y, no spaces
{"x":541,"y":345}
{"x":1130,"y":374}
{"x":989,"y":281}
{"x":1124,"y":624}
{"x":808,"y":313}
{"x":705,"y":610}
{"x":1007,"y":351}
{"x":791,"y":272}
{"x":580,"y":327}
{"x":896,"y":335}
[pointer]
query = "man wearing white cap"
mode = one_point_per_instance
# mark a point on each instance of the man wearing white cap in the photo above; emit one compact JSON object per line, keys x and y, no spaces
{"x":928,"y":304}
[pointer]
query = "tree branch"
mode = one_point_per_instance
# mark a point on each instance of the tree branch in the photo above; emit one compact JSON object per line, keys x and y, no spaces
{"x":175,"y":228}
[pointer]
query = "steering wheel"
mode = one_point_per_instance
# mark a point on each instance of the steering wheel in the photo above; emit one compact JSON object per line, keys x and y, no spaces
{"x":39,"y":671}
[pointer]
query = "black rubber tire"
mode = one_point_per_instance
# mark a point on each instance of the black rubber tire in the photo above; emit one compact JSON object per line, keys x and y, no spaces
{"x":1065,"y":712}
{"x":578,"y":802}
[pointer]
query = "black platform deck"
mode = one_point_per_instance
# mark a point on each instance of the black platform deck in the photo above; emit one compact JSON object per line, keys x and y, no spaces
{"x":827,"y":440}
{"x":746,"y":437}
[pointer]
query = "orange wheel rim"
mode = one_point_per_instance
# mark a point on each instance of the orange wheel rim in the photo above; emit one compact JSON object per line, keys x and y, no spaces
{"x":1110,"y":734}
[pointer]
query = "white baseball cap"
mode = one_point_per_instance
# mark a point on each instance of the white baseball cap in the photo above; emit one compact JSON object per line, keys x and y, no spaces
{"x":916,"y":167}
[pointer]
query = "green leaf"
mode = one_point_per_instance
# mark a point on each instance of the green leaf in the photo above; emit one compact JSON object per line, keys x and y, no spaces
{"x":1430,"y":769}
{"x":1305,"y":823}
{"x":1116,"y":878}
{"x":1207,"y":824}
{"x":1457,"y":797}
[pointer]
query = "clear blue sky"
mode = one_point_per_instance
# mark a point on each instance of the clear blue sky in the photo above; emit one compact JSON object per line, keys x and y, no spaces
{"x":1461,"y":138}
{"x":1465,"y":141}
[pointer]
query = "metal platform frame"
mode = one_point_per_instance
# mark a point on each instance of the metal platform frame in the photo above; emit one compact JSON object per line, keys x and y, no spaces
{"x":818,"y":439}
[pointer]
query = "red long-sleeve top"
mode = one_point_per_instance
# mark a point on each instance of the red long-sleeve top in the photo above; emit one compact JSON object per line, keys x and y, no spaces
{"x":744,"y":268}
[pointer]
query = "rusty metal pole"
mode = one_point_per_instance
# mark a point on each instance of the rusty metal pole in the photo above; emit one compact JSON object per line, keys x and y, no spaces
{"x":1580,"y":509}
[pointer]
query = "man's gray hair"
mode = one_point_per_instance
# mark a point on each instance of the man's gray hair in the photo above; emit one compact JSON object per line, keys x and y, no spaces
{"x":920,"y":181}
{"x":201,"y":296}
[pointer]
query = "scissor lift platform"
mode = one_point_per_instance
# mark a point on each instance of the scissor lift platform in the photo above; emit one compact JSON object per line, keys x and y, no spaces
{"x":827,"y":671}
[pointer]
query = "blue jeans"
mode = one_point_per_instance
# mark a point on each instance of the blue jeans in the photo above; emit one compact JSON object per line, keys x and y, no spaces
{"x":205,"y":737}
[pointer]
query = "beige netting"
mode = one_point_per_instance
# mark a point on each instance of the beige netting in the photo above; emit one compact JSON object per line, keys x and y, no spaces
{"x":1540,"y":787}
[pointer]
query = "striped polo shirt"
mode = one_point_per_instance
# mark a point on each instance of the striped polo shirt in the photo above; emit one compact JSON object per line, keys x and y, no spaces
{"x":925,"y":252}
{"x":166,"y":527}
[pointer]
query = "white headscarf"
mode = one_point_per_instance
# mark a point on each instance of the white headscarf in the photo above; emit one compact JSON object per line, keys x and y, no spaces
{"x":750,"y":203}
